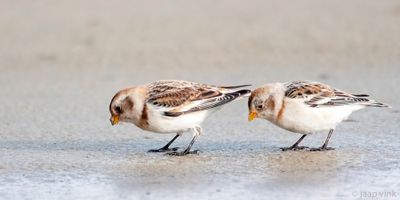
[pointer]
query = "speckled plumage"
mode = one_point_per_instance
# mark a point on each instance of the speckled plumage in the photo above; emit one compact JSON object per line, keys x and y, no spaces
{"x":317,"y":94}
{"x":305,"y":107}
{"x":172,"y":106}
{"x":182,"y":97}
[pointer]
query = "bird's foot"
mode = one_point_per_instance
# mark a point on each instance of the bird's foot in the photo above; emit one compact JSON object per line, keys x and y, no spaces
{"x":323,"y":148}
{"x":293,"y":148}
{"x":161,"y":150}
{"x":182,"y":153}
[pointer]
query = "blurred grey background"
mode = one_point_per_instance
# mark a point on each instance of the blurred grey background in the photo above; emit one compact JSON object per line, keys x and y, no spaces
{"x":62,"y":61}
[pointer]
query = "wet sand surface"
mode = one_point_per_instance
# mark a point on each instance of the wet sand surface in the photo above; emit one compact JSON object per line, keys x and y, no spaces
{"x":62,"y":61}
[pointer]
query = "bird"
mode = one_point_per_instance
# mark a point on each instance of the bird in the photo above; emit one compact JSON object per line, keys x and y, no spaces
{"x":306,"y":107}
{"x":171,"y":106}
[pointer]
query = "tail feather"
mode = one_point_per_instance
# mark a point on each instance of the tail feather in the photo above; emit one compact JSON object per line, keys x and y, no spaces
{"x":374,"y":103}
{"x":235,"y":86}
{"x":360,"y":95}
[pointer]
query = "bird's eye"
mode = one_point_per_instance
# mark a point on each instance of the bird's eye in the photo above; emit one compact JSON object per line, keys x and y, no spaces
{"x":118,"y":109}
{"x":259,"y":107}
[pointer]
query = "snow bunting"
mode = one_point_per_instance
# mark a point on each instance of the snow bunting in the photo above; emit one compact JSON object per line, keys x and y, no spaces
{"x":171,"y":106}
{"x":305,"y":107}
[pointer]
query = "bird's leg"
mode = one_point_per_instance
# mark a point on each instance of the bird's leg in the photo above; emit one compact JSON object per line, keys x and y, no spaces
{"x":166,"y":147}
{"x":197,"y":132}
{"x":295,"y":146}
{"x":325,"y":147}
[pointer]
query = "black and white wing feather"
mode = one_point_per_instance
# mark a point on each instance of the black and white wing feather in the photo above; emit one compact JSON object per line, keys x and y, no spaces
{"x":176,"y":98}
{"x":317,"y":94}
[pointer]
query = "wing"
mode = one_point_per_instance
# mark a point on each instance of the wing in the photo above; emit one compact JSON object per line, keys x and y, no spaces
{"x":181,"y":97}
{"x":205,"y":104}
{"x":318,"y":95}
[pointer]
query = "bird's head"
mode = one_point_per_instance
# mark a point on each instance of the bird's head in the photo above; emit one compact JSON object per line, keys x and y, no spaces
{"x":121,"y":106}
{"x":262,"y":102}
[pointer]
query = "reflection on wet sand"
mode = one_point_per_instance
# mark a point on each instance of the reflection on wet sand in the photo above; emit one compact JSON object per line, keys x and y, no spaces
{"x":160,"y":170}
{"x":310,"y":165}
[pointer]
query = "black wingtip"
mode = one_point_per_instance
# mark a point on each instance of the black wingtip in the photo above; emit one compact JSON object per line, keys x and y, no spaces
{"x":243,"y":92}
{"x":173,"y":114}
{"x":361,"y":95}
{"x":378,"y":104}
{"x":235,"y":86}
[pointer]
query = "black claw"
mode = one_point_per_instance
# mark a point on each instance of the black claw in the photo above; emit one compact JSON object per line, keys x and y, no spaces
{"x":175,"y":149}
{"x":182,"y":153}
{"x":322,"y":149}
{"x":161,"y":150}
{"x":296,"y":148}
{"x":166,"y":147}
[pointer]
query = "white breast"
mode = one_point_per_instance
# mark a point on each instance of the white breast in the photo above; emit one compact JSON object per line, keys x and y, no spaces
{"x":300,"y":118}
{"x":163,"y":124}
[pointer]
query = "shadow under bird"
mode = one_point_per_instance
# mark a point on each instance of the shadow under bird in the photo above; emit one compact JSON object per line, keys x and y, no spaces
{"x":306,"y":107}
{"x":171,"y":106}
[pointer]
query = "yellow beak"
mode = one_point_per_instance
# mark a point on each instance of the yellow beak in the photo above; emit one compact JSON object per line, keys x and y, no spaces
{"x":114,"y":119}
{"x":252,"y":115}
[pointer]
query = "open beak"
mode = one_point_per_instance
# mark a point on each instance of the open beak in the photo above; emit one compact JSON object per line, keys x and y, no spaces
{"x":252,"y":115}
{"x":114,"y":119}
